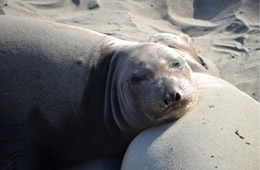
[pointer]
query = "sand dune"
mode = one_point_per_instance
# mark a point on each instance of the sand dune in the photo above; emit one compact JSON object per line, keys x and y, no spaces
{"x":226,"y":31}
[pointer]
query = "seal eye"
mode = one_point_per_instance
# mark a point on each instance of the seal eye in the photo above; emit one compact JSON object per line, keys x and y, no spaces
{"x":175,"y":64}
{"x":136,"y":80}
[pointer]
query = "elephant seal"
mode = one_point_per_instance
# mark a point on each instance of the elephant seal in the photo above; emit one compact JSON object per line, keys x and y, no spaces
{"x":69,"y":94}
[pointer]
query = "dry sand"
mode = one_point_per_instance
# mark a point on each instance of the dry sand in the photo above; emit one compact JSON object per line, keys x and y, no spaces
{"x":226,"y":31}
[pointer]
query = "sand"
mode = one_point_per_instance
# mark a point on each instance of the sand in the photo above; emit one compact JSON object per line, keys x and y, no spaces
{"x":225,"y":31}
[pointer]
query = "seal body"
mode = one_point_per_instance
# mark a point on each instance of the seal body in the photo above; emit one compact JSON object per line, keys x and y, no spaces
{"x":68,"y":94}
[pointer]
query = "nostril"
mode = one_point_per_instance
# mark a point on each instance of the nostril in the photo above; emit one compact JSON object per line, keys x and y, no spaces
{"x":166,"y":102}
{"x":177,"y":97}
{"x":172,"y":98}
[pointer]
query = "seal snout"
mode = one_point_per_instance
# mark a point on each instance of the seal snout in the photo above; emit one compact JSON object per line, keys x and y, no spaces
{"x":172,"y":93}
{"x":173,"y":97}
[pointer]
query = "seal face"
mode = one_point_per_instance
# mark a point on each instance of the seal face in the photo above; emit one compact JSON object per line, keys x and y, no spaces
{"x":154,"y":86}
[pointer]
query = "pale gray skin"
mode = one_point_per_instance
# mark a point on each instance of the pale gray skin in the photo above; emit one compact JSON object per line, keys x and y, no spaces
{"x":69,"y":94}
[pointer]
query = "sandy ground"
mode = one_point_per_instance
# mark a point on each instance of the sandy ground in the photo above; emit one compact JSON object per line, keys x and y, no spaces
{"x":226,"y":31}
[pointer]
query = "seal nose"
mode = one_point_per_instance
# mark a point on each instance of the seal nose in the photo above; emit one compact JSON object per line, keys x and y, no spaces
{"x":173,"y":97}
{"x":171,"y":91}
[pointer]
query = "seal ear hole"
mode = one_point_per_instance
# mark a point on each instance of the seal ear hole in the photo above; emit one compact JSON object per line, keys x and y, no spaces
{"x":177,"y":97}
{"x":166,"y":102}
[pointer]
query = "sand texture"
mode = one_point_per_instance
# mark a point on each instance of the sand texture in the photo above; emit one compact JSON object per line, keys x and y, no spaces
{"x":225,"y":31}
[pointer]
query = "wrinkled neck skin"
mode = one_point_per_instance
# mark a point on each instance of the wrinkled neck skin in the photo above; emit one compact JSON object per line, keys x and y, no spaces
{"x":101,"y":114}
{"x":119,"y":116}
{"x":117,"y":105}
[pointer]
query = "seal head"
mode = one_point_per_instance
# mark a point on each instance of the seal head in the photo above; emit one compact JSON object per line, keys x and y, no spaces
{"x":148,"y":84}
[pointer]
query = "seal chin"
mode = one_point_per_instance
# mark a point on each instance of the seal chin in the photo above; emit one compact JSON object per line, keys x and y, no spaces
{"x":169,"y":113}
{"x":172,"y":113}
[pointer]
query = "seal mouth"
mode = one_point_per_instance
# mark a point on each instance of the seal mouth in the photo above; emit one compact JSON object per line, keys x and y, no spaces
{"x":164,"y":111}
{"x":174,"y":108}
{"x":167,"y":111}
{"x":172,"y":114}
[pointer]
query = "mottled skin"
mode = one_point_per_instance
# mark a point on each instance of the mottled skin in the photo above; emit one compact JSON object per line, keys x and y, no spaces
{"x":68,"y":94}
